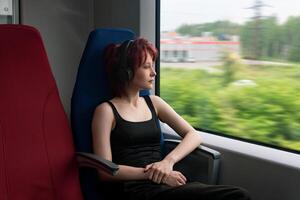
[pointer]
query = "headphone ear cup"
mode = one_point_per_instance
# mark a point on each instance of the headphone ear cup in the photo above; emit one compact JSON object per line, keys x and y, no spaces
{"x":124,"y":74}
{"x":129,"y":74}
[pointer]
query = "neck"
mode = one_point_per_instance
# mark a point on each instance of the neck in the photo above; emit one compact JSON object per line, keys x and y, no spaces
{"x":132,"y":96}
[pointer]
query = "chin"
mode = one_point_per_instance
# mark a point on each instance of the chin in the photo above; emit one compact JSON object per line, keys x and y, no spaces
{"x":148,"y":87}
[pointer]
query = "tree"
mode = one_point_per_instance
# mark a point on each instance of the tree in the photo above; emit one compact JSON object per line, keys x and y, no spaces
{"x":292,"y":37}
{"x":230,"y":67}
{"x":217,"y":28}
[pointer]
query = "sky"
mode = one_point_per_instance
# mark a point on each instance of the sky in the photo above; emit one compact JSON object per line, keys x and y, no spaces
{"x":177,"y":12}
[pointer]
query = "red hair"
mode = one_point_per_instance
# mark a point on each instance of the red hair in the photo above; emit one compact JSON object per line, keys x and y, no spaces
{"x":136,"y":56}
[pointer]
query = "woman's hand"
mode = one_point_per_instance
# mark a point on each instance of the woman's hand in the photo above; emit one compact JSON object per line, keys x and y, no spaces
{"x":159,"y":171}
{"x":175,"y":178}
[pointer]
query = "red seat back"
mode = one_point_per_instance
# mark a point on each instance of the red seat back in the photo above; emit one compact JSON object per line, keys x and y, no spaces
{"x":37,"y":159}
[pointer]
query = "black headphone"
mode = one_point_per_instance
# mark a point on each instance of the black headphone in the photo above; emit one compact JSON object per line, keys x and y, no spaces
{"x":124,"y":71}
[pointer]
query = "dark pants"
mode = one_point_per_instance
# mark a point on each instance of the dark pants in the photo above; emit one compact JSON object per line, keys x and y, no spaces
{"x":190,"y":191}
{"x":200,"y":191}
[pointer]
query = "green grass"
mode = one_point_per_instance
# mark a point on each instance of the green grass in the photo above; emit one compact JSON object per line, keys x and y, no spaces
{"x":268,"y":112}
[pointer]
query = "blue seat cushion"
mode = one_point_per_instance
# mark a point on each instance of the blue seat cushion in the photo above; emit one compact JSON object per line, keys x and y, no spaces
{"x":91,"y":89}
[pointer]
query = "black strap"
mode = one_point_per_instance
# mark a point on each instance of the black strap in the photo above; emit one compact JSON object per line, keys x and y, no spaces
{"x":150,"y":105}
{"x":116,"y":114}
{"x":148,"y":101}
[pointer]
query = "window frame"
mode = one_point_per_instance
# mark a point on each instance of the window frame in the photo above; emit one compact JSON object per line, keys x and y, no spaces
{"x":157,"y":92}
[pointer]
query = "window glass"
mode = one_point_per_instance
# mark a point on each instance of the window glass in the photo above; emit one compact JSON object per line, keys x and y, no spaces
{"x":9,"y":11}
{"x":233,"y":67}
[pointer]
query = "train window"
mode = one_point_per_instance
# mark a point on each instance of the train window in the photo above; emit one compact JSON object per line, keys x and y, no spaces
{"x":9,"y":11}
{"x":234,"y":71}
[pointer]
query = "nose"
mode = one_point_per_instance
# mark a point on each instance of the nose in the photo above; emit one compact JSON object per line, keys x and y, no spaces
{"x":153,"y":72}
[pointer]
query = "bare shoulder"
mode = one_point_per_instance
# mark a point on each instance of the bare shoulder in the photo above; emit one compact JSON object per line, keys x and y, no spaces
{"x":157,"y":101}
{"x":103,"y":109}
{"x":103,"y":116}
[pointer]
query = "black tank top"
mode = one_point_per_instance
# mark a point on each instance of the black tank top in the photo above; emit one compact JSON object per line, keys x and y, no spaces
{"x":136,"y":143}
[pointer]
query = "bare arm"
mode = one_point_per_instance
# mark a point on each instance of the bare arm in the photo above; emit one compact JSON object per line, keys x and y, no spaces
{"x":102,"y":124}
{"x":191,"y":140}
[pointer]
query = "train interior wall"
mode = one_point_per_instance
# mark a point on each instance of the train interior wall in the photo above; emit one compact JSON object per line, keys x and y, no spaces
{"x":65,"y":25}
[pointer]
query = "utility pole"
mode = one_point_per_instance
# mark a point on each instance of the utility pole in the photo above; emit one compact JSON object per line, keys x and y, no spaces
{"x":257,"y":28}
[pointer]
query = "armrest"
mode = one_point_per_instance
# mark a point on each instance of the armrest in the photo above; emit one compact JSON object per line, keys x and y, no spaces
{"x":206,"y":151}
{"x":200,"y":165}
{"x":94,"y":161}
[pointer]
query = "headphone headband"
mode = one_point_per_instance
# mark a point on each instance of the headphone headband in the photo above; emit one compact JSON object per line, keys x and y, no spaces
{"x":124,"y":51}
{"x":126,"y":44}
{"x":125,"y":70}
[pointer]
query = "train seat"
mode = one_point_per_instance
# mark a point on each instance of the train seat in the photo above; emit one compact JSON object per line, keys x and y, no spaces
{"x":37,"y":156}
{"x":91,"y":88}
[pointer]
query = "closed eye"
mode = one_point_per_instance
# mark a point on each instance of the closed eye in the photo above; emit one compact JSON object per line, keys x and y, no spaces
{"x":147,"y":65}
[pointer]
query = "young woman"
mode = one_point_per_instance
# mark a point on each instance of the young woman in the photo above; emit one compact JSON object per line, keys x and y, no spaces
{"x":125,"y":131}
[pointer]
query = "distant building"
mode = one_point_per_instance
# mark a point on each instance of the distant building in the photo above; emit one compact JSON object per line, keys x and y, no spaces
{"x":176,"y":48}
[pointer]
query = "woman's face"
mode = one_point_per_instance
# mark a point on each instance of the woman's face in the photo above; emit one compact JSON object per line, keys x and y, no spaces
{"x":144,"y":75}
